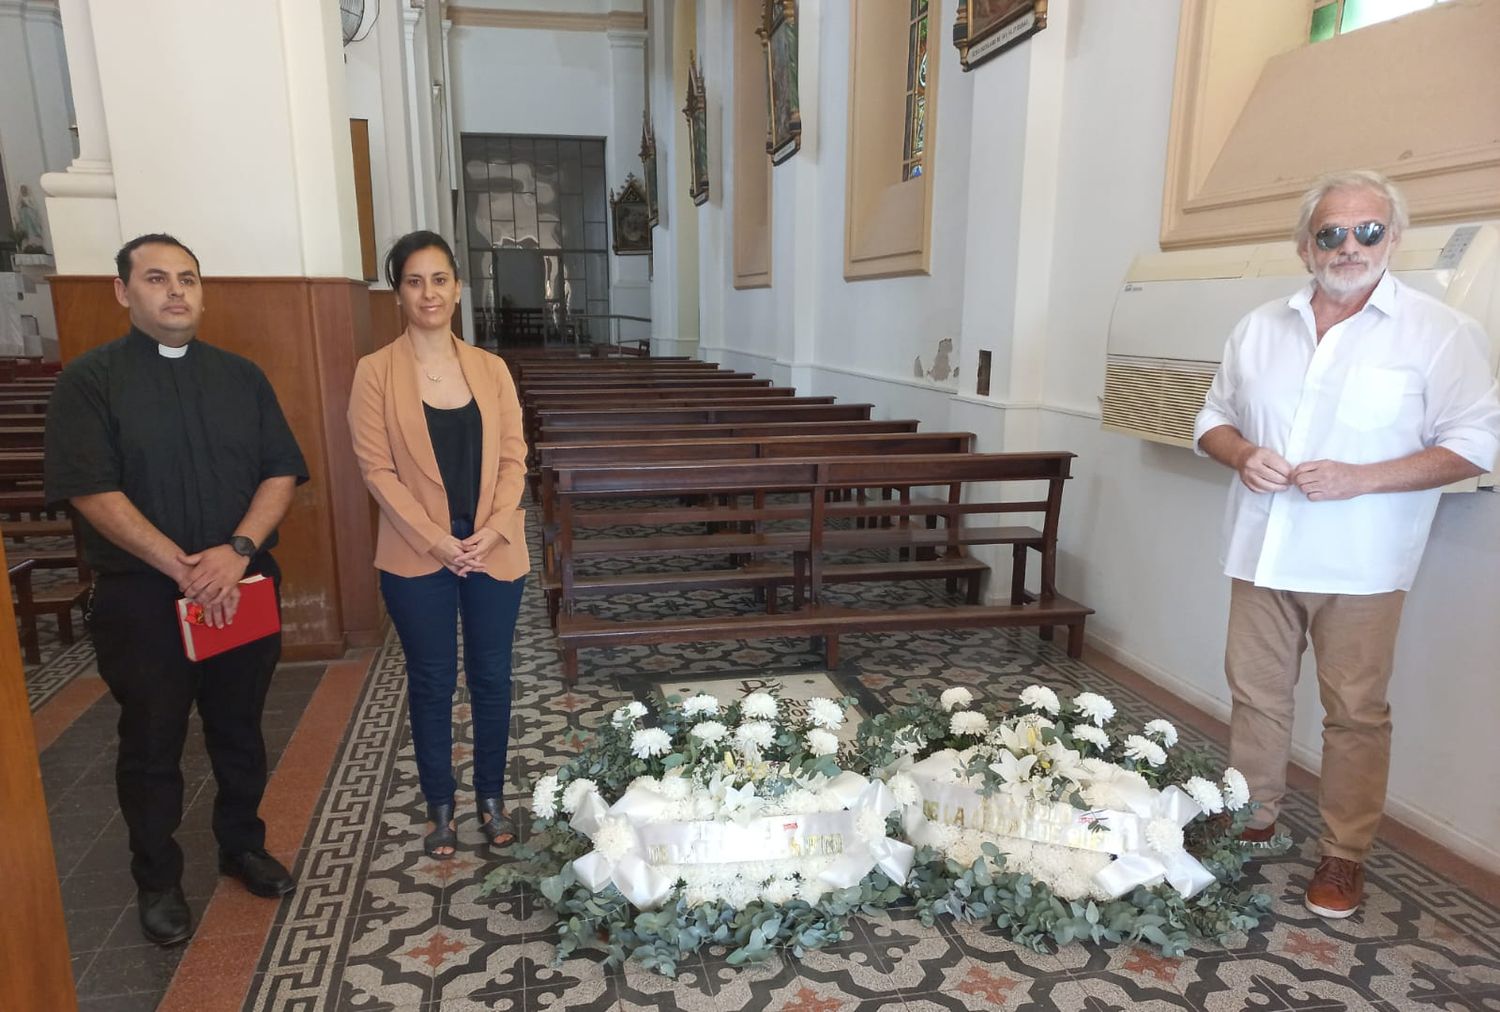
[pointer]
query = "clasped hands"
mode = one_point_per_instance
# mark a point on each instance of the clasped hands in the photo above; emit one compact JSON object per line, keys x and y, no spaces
{"x":212,"y":579}
{"x":462,"y":557}
{"x":1265,"y":470}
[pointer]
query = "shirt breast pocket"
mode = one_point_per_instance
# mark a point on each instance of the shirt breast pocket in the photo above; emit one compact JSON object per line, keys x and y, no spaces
{"x":1372,"y":398}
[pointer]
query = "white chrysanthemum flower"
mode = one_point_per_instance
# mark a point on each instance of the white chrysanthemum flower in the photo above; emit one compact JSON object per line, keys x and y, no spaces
{"x":760,"y":705}
{"x":779,"y":891}
{"x":544,"y":798}
{"x":968,"y":722}
{"x":576,"y":791}
{"x":812,"y":889}
{"x":1138,"y":747}
{"x":1039,"y":697}
{"x":1072,"y":884}
{"x":869,"y":825}
{"x":739,"y":892}
{"x":1206,"y":794}
{"x":966,"y":849}
{"x":908,"y":741}
{"x":1090,"y":734}
{"x":1164,"y":730}
{"x":1236,"y":790}
{"x":631,"y":711}
{"x":904,"y":789}
{"x":757,"y":733}
{"x":1164,"y":836}
{"x":956,"y":696}
{"x":649,"y":742}
{"x":825,"y":713}
{"x":615,"y":838}
{"x":1095,"y":707}
{"x":944,"y":836}
{"x":700,"y":705}
{"x":648,"y":782}
{"x":709,"y":732}
{"x":820,"y":742}
{"x":698,"y":892}
{"x":676,"y":788}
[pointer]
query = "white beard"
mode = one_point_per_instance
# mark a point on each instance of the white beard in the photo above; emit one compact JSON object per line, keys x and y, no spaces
{"x":1343,"y":283}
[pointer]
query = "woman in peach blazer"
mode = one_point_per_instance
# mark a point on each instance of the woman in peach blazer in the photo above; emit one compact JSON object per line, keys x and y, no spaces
{"x":437,"y":432}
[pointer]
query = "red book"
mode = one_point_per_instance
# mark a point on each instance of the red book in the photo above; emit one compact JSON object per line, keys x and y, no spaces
{"x":256,"y":618}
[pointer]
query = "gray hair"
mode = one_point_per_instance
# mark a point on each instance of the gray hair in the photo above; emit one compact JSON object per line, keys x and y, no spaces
{"x":1353,"y":179}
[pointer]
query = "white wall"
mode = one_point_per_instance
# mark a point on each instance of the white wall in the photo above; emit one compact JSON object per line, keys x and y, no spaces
{"x":242,"y":150}
{"x":520,"y":81}
{"x":864,"y":331}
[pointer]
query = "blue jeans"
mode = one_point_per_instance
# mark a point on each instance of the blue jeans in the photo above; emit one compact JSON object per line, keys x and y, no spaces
{"x":424,"y":610}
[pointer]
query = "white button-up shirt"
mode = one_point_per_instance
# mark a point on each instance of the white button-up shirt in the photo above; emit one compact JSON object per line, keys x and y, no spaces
{"x":1404,"y":373}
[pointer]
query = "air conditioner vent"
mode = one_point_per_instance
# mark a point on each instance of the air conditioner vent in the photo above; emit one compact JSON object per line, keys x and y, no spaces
{"x":1155,"y":398}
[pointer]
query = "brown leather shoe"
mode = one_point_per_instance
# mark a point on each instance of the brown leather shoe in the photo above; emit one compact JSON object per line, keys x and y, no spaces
{"x":1336,"y":888}
{"x":1259,"y":836}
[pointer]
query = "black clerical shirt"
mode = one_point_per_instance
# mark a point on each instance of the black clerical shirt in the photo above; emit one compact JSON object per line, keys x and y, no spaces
{"x":188,"y":441}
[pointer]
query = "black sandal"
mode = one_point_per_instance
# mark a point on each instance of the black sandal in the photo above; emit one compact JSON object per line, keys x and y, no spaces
{"x":443,"y":835}
{"x":498,"y":829}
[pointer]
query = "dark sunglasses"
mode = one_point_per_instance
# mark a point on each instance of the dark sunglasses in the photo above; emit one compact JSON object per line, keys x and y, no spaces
{"x":1366,"y":233}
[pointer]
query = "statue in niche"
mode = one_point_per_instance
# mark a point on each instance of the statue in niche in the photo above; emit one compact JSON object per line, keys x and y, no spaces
{"x":28,"y":231}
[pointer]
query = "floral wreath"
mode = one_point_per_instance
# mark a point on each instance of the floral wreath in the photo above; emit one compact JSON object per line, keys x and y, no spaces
{"x":691,"y":822}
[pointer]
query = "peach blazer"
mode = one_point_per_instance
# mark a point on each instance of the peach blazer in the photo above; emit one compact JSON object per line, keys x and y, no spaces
{"x":399,"y":466}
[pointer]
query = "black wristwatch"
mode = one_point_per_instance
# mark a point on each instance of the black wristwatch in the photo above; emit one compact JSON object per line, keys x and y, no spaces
{"x":243,"y":546}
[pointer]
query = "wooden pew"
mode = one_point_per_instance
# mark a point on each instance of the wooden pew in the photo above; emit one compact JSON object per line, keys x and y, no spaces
{"x":648,"y":419}
{"x":57,"y":599}
{"x":715,"y":430}
{"x":20,"y":585}
{"x":814,"y":480}
{"x":764,"y":578}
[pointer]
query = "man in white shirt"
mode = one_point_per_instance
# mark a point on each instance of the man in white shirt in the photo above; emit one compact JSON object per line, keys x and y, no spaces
{"x":1344,"y":409}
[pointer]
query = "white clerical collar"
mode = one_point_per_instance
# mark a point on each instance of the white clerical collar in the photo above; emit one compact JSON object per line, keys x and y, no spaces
{"x":167,"y":351}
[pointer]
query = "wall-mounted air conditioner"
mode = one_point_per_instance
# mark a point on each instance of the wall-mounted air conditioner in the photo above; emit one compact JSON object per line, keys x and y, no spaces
{"x":1175,"y":311}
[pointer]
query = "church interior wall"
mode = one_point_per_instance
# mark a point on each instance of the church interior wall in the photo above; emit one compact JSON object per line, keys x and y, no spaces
{"x":1138,"y":515}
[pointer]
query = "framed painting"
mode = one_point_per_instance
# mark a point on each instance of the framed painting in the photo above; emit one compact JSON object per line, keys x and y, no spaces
{"x":778,"y":35}
{"x":630,"y":216}
{"x":648,"y":168}
{"x":696,"y":112}
{"x":986,"y":28}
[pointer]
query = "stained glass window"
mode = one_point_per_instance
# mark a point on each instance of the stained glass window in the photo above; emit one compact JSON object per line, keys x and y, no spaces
{"x":916,"y":93}
{"x":1339,"y":17}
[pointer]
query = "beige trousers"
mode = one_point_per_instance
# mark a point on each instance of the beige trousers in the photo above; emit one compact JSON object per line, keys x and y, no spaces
{"x":1354,"y":641}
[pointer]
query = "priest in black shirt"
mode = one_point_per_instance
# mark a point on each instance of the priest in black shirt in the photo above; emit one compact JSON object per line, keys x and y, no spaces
{"x":177,"y":458}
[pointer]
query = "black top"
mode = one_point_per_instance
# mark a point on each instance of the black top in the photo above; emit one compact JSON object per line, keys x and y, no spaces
{"x":457,"y":436}
{"x":188,"y":441}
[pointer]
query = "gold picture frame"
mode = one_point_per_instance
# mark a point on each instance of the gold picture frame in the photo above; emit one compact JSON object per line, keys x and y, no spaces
{"x":630,"y":219}
{"x":778,"y":39}
{"x":986,"y":28}
{"x":696,"y":111}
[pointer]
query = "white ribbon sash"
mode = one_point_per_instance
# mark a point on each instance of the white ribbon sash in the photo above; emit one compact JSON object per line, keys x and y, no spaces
{"x":1121,"y":833}
{"x":647,"y":872}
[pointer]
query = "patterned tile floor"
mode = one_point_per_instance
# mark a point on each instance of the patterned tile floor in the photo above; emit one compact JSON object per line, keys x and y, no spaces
{"x":375,"y":925}
{"x":114,"y":968}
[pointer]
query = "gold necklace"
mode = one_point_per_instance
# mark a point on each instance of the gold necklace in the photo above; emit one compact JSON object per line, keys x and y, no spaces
{"x":435,"y":379}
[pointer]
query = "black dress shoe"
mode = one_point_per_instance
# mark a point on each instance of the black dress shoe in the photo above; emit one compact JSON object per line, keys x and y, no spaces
{"x":261,"y":873}
{"x":165,"y":917}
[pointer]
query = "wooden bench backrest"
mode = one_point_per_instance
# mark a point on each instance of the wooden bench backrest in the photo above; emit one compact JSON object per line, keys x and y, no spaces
{"x":711,"y":430}
{"x":553,"y":398}
{"x":753,"y":447}
{"x":649,"y":418}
